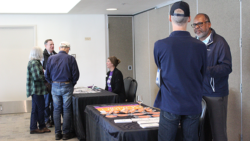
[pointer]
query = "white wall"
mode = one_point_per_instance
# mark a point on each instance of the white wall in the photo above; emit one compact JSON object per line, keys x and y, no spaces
{"x":90,"y":55}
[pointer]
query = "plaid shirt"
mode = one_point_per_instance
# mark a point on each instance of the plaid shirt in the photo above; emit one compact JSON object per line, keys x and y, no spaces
{"x":35,"y":79}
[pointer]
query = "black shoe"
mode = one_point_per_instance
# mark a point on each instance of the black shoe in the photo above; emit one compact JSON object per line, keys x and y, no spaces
{"x":48,"y":124}
{"x":58,"y":136}
{"x":72,"y":135}
{"x":67,"y":136}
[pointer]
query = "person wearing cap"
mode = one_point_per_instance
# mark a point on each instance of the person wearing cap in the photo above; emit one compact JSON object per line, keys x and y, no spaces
{"x":219,"y":66}
{"x":182,"y":61}
{"x":114,"y":79}
{"x":48,"y":112}
{"x":62,"y":72}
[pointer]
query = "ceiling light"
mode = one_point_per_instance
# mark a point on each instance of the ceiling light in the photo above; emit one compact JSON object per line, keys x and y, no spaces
{"x":37,"y":6}
{"x":111,"y":9}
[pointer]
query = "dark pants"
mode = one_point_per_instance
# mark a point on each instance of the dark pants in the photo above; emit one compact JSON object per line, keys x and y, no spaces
{"x":37,"y":112}
{"x":48,"y":112}
{"x":169,"y":124}
{"x":216,"y":118}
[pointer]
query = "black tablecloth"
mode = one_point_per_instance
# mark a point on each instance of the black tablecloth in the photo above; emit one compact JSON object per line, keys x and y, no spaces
{"x":80,"y":101}
{"x":100,"y":128}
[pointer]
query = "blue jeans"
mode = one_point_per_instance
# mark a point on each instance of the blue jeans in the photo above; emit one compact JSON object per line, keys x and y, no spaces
{"x":37,"y":112}
{"x":62,"y":99}
{"x":48,"y":107}
{"x":169,"y":124}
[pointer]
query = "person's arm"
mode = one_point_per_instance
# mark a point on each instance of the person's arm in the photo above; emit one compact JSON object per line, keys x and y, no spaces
{"x":204,"y":66}
{"x":75,"y":72}
{"x":37,"y":72}
{"x":156,"y":55}
{"x":224,"y":66}
{"x":106,"y":87}
{"x":47,"y":72}
{"x":118,"y":83}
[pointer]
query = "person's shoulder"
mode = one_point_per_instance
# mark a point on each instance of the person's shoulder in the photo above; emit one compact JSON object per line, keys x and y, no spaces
{"x":117,"y":71}
{"x":218,"y":38}
{"x":71,"y":57}
{"x":34,"y":62}
{"x":162,"y":42}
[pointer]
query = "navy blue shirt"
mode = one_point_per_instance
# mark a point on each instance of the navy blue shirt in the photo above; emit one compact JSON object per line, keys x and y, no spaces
{"x":62,"y":68}
{"x":182,"y":60}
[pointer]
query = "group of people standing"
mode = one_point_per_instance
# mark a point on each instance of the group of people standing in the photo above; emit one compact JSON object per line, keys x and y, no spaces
{"x":51,"y":78}
{"x":192,"y":69}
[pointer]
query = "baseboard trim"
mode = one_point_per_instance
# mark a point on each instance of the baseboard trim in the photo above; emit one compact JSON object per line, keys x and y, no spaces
{"x":11,"y":107}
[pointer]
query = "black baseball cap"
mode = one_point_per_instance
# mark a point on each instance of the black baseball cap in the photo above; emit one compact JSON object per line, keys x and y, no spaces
{"x":180,"y":5}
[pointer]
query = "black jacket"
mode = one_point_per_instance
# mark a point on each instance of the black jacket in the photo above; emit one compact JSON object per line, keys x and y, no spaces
{"x":219,"y":66}
{"x":117,"y":84}
{"x":46,"y":57}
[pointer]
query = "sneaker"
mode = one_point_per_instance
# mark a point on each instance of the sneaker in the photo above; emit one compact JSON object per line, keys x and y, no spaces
{"x":36,"y":131}
{"x":58,"y":136}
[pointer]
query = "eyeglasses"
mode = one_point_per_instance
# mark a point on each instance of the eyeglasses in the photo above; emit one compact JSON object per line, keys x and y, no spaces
{"x":200,"y":24}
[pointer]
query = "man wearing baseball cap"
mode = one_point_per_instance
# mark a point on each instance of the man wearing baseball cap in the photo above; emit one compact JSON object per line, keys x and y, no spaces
{"x":62,"y":72}
{"x":182,"y":61}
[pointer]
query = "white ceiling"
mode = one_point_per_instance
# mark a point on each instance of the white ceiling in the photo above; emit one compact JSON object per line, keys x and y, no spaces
{"x":125,"y":7}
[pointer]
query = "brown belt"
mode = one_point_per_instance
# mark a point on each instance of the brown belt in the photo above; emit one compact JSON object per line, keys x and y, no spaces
{"x":62,"y":82}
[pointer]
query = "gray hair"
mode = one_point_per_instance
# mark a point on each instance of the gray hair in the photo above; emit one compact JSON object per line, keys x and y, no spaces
{"x":36,"y":54}
{"x":179,"y":20}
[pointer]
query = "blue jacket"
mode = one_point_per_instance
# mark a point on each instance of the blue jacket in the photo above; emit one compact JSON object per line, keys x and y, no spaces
{"x":219,"y":66}
{"x":182,"y":60}
{"x":62,"y":68}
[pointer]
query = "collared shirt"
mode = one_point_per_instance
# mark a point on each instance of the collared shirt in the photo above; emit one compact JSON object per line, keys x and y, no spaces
{"x":62,"y":68}
{"x":206,"y":40}
{"x":35,"y":79}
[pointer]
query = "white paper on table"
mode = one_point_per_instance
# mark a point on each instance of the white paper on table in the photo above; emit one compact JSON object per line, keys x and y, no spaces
{"x":154,"y":118}
{"x":123,"y":121}
{"x":150,"y":121}
{"x":79,"y":90}
{"x":140,"y":119}
{"x":150,"y":125}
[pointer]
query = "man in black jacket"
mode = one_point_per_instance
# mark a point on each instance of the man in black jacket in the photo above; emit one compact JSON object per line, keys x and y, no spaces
{"x":215,"y":87}
{"x":48,"y":112}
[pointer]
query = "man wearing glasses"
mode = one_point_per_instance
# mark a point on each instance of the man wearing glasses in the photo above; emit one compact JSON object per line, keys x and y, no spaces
{"x":182,"y":60}
{"x":62,"y":72}
{"x":219,"y":66}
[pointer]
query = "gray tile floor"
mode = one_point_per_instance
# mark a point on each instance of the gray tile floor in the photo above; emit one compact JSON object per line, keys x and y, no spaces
{"x":15,"y":127}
